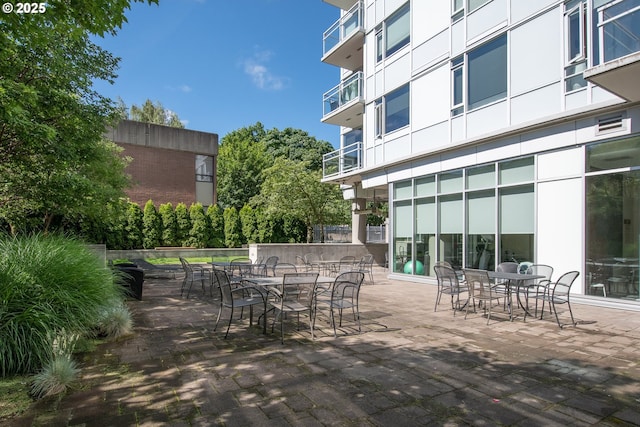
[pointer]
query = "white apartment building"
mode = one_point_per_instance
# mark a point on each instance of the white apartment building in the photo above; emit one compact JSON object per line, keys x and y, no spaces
{"x":497,"y":130}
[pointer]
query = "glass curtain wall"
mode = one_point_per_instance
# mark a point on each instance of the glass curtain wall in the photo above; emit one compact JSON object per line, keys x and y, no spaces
{"x":473,"y":218}
{"x":613,"y":219}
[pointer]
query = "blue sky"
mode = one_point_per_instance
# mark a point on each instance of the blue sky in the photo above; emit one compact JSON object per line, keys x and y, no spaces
{"x":225,"y":64}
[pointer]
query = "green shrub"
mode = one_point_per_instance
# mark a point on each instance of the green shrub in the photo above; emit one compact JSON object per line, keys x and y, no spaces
{"x":52,"y":287}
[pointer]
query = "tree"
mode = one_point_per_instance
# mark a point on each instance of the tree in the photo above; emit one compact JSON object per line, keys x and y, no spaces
{"x":232,"y":228}
{"x":249,"y":224}
{"x":133,"y":227}
{"x":183,"y":221}
{"x":291,"y":188}
{"x":298,"y":145}
{"x":241,"y":160}
{"x":155,"y":113}
{"x":216,"y":221}
{"x":169,"y":224}
{"x":199,"y":235}
{"x":151,"y":226}
{"x":55,"y":162}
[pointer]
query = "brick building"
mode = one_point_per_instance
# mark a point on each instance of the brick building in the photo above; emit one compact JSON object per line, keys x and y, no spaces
{"x":170,"y":165}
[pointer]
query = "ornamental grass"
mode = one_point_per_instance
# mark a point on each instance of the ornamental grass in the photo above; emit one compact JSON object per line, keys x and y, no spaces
{"x":51,"y":287}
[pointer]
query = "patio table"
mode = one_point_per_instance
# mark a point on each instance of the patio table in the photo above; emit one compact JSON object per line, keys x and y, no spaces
{"x":515,"y":281}
{"x":267,"y":282}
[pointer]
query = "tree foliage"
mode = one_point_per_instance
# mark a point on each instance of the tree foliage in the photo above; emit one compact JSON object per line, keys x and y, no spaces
{"x":232,"y":228}
{"x":54,"y":159}
{"x":183,"y":221}
{"x":199,"y":235}
{"x":291,"y":188}
{"x":216,"y":221}
{"x":241,"y":160}
{"x":151,"y":226}
{"x":169,"y":224}
{"x":154,"y":113}
{"x":298,"y":145}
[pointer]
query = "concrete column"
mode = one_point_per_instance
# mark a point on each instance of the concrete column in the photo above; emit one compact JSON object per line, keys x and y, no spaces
{"x":358,"y":222}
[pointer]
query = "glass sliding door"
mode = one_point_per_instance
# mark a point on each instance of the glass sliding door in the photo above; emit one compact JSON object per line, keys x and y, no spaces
{"x":613,"y":219}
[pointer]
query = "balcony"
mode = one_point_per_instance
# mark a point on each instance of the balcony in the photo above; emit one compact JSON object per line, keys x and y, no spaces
{"x":344,"y":104}
{"x":342,"y":4}
{"x":342,"y":161}
{"x":619,"y":50}
{"x":342,"y":43}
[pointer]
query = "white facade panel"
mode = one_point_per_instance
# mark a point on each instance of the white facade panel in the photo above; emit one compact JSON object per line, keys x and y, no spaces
{"x":498,"y":150}
{"x":524,"y":9}
{"x":425,"y":167}
{"x":429,"y":19}
{"x":398,"y":72}
{"x":561,"y":164}
{"x":430,"y":52}
{"x":577,"y":99}
{"x":398,"y":174}
{"x":391,"y":6}
{"x":434,"y":87}
{"x":487,"y":119}
{"x":560,"y":136}
{"x":369,"y":58}
{"x":458,"y":38}
{"x":378,"y":90}
{"x":560,"y":224}
{"x":528,"y":43}
{"x":537,"y":103}
{"x":458,"y":130}
{"x":430,"y":138}
{"x":486,"y":19}
{"x":459,"y":159}
{"x":396,"y":148}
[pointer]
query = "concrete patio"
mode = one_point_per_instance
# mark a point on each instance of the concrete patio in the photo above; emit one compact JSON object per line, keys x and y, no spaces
{"x":409,"y":366}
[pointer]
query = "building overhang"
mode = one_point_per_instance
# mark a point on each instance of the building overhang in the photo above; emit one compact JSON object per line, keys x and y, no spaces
{"x":342,"y":4}
{"x":620,"y":77}
{"x":349,"y":115}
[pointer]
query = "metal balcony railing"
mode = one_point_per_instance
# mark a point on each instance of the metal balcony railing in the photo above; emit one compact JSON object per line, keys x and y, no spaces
{"x":343,"y":28}
{"x":619,"y":29}
{"x":341,"y":161}
{"x":343,"y":93}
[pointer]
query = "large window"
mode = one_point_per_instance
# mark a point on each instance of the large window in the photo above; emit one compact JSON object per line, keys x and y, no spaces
{"x":475,"y":217}
{"x":486,"y":76}
{"x":392,"y":111}
{"x":204,"y":168}
{"x":487,"y":81}
{"x":394,"y":34}
{"x":613,"y":219}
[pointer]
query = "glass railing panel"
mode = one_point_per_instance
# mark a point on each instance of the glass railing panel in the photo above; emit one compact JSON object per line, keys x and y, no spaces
{"x":343,"y":160}
{"x":343,"y":93}
{"x":342,"y":28}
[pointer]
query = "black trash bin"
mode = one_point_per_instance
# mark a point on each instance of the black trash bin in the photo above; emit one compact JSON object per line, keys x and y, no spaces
{"x":132,"y":279}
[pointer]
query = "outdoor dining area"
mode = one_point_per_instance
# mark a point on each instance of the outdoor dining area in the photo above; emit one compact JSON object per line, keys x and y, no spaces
{"x":517,"y":289}
{"x":279,"y":290}
{"x":315,"y":292}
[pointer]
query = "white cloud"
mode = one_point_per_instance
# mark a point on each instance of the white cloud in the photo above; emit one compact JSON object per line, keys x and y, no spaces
{"x":255,"y":68}
{"x":180,"y":88}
